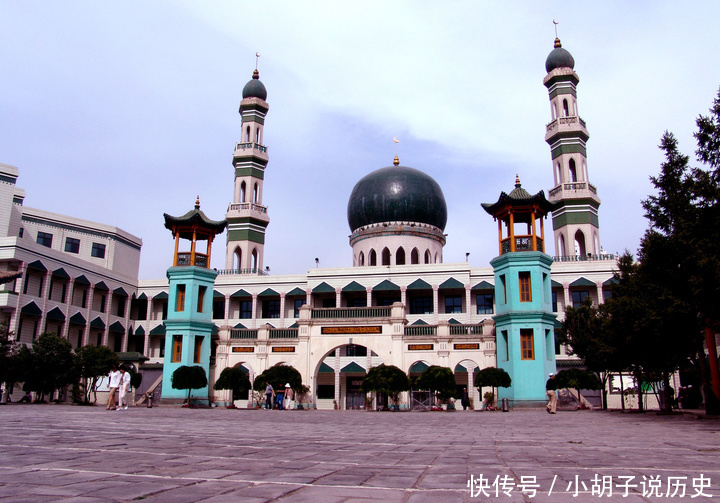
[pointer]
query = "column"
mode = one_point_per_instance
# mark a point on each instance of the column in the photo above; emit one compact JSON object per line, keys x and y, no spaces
{"x":254,"y":311}
{"x":469,"y":314}
{"x":43,"y":294}
{"x":369,"y":297}
{"x":337,"y":378}
{"x":600,"y":297}
{"x":435,"y":303}
{"x":403,"y":298}
{"x":338,"y":297}
{"x":88,"y":311}
{"x":227,"y":309}
{"x":146,"y":345}
{"x":282,"y":310}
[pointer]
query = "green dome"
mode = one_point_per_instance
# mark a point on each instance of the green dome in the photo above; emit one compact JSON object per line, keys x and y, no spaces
{"x":396,"y":194}
{"x":559,"y":58}
{"x":255,"y":88}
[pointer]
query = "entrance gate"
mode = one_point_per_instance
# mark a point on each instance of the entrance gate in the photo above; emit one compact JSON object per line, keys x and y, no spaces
{"x":354,"y":398}
{"x":420,"y":400}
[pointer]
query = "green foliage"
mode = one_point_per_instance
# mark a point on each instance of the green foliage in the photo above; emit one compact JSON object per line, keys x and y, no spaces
{"x":492,"y":377}
{"x":440,"y":380}
{"x":9,"y":369}
{"x":278,"y":376}
{"x":135,"y":379}
{"x":387,"y":379}
{"x":189,"y":378}
{"x":577,"y":379}
{"x":48,"y":365}
{"x":93,"y":363}
{"x":235,"y":379}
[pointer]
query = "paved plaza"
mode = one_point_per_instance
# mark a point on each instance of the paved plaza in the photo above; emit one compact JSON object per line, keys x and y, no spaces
{"x":69,"y":453}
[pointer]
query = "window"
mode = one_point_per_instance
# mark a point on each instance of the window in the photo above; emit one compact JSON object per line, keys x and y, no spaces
{"x":219,"y":309}
{"x":177,"y":348}
{"x":400,"y":256}
{"x":607,"y":294}
{"x":198,"y":349}
{"x":21,"y":232}
{"x":373,"y":257}
{"x":504,"y":288}
{"x":421,"y":305}
{"x":83,"y":303}
{"x":201,"y":298}
{"x":298,"y":303}
{"x":355,"y":350}
{"x":63,"y":294}
{"x":326,"y":391}
{"x":51,"y":289}
{"x":72,"y":245}
{"x":453,"y":304}
{"x":271,"y":308}
{"x":180,"y":299}
{"x":328,"y":302}
{"x":525,"y":291}
{"x":357,"y":302}
{"x":245,"y":309}
{"x":554,"y":302}
{"x":120,"y":307}
{"x":579,"y":297}
{"x":98,"y":250}
{"x":527,"y":351}
{"x":164,"y":310}
{"x":506,"y":353}
{"x":102,"y":303}
{"x":45,"y":239}
{"x":485,"y":303}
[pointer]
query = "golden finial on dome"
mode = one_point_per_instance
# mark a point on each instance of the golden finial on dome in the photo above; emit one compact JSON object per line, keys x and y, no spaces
{"x":197,"y":202}
{"x":396,"y":161}
{"x":517,"y":180}
{"x":557,"y":43}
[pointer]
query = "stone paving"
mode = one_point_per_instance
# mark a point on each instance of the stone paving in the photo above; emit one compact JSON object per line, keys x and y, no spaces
{"x":69,"y":453}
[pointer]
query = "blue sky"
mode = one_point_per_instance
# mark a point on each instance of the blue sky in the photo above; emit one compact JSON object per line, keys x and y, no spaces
{"x":118,"y":112}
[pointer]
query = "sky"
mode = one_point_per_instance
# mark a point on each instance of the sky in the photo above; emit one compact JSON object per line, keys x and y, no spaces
{"x":118,"y":112}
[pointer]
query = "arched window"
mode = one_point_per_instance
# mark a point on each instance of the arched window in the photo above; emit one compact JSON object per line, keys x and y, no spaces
{"x":373,"y":257}
{"x":436,"y":258}
{"x":243,"y":190}
{"x":254,"y":260}
{"x":558,"y":174}
{"x":386,"y":257}
{"x":554,"y":110}
{"x":255,"y":194}
{"x":247,"y":134}
{"x":561,"y":246}
{"x":237,"y":259}
{"x":257,"y":135}
{"x":566,"y":111}
{"x":361,"y":259}
{"x":427,"y":256}
{"x":573,"y":171}
{"x":414,"y":256}
{"x":580,"y":248}
{"x":400,"y":256}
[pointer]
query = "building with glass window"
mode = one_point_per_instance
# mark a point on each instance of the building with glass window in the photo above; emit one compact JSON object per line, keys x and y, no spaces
{"x":396,"y":302}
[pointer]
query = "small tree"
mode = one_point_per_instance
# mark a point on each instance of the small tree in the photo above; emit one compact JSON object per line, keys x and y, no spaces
{"x":577,"y":379}
{"x":94,"y":362}
{"x":189,"y":378}
{"x":278,"y":376}
{"x":439,"y":380}
{"x":235,"y":379}
{"x":387,"y":379}
{"x":48,"y":365}
{"x":493,"y":378}
{"x":9,"y":368}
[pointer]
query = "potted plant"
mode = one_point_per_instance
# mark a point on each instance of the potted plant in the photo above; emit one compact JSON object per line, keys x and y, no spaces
{"x":489,"y":397}
{"x":491,"y":377}
{"x":441,"y":381}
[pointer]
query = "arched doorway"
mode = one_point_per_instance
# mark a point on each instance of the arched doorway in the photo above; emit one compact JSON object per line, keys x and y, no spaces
{"x":419,"y":399}
{"x":339,"y":376}
{"x":465,"y":379}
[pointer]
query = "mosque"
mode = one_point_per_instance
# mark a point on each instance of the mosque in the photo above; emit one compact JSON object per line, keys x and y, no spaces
{"x":398,"y":303}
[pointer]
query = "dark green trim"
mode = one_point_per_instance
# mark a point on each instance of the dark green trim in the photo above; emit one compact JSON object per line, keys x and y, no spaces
{"x":575,"y":218}
{"x":563,"y":90}
{"x":249,"y":159}
{"x":254,"y":172}
{"x":451,"y":283}
{"x":254,"y":106}
{"x":419,"y":284}
{"x":575,"y":134}
{"x":580,"y":201}
{"x":296,"y":291}
{"x":247,"y":235}
{"x":386,"y":286}
{"x":241,"y":294}
{"x":268,"y":292}
{"x":247,"y":220}
{"x":323,"y":288}
{"x":259,"y":119}
{"x":418,"y":367}
{"x":159,"y":330}
{"x":352,"y":367}
{"x":354,"y":286}
{"x":568,"y":149}
{"x":562,"y":78}
{"x":581,"y":282}
{"x":483,"y":285}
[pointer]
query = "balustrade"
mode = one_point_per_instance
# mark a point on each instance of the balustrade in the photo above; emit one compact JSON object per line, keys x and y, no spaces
{"x":247,"y":146}
{"x":430,"y":330}
{"x":351,"y":312}
{"x":243,"y":334}
{"x":283,"y":333}
{"x":247,"y":206}
{"x":185,"y":258}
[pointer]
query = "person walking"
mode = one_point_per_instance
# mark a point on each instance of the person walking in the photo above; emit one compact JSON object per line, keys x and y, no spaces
{"x":465,"y":400}
{"x":123,"y":388}
{"x":114,"y":382}
{"x":269,"y":394}
{"x":550,"y":387}
{"x":280,"y":398}
{"x":289,"y":397}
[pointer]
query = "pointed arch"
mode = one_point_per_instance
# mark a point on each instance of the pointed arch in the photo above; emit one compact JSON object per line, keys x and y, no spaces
{"x":400,"y":256}
{"x":596,"y":243}
{"x":558,"y":174}
{"x":247,"y":134}
{"x":566,"y":110}
{"x":373,"y":257}
{"x":573,"y":171}
{"x":436,"y":258}
{"x":237,"y":258}
{"x":414,"y":256}
{"x":580,"y":247}
{"x":554,"y":110}
{"x":561,"y":246}
{"x":385,"y":256}
{"x":427,"y":256}
{"x":254,"y":264}
{"x":257,"y":135}
{"x":243,"y":191}
{"x":255,"y":193}
{"x":361,"y":259}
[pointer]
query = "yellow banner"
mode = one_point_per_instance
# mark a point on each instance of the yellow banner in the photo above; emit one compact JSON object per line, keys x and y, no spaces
{"x":351,"y":330}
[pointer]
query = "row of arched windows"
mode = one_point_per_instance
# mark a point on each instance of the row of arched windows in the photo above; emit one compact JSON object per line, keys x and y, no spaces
{"x":574,"y":173}
{"x":248,"y":134}
{"x":568,"y":109}
{"x":400,"y":257}
{"x":243,"y":193}
{"x":237,"y":259}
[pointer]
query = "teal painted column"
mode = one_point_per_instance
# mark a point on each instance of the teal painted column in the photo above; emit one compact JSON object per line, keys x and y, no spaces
{"x":524,"y":325}
{"x":189,"y":322}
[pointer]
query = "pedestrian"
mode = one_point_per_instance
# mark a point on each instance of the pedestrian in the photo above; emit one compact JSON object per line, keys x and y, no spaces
{"x":289,"y":396}
{"x":465,"y":400}
{"x":114,"y":382}
{"x":123,"y":388}
{"x":269,"y":394}
{"x":550,"y":386}
{"x":280,"y":398}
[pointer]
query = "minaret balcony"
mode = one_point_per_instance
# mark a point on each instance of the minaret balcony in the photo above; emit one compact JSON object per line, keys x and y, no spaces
{"x":572,"y":123}
{"x":573,"y":190}
{"x":186,"y":258}
{"x":244,"y":147}
{"x":247,"y":207}
{"x":522,"y":244}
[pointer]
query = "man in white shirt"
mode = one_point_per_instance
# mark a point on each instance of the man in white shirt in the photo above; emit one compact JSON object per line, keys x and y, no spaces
{"x":114,"y":377}
{"x":124,"y":387}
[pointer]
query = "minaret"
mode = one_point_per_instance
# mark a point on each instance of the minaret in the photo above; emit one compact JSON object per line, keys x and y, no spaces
{"x":188,"y":327}
{"x":575,"y":219}
{"x":524,"y":322}
{"x":246,"y":216}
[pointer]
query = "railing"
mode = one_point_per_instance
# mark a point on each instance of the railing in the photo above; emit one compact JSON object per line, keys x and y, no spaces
{"x":283,"y":333}
{"x":555,"y":191}
{"x":238,"y":333}
{"x":246,"y":146}
{"x":421,"y":330}
{"x":259,"y":272}
{"x":466,"y":329}
{"x":522,"y":243}
{"x":574,"y":186}
{"x":247,"y":206}
{"x":350,"y":312}
{"x":564,"y":121}
{"x":589,"y":256}
{"x":186,"y":259}
{"x":592,"y":188}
